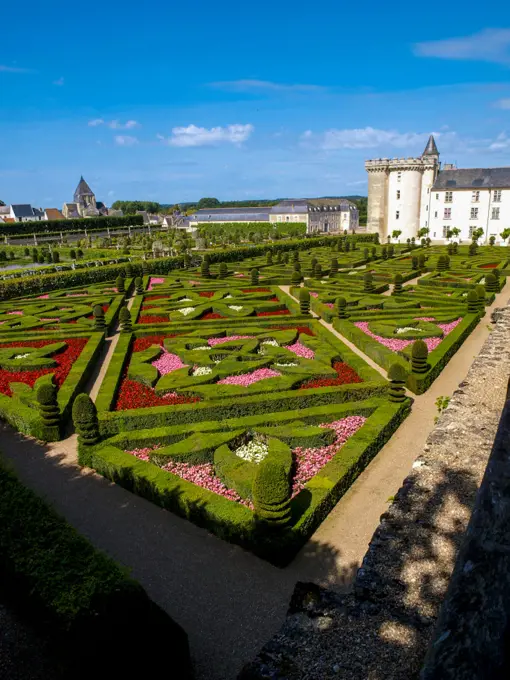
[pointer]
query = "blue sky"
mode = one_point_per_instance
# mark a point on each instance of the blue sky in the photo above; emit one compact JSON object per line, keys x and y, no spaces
{"x":172,"y":102}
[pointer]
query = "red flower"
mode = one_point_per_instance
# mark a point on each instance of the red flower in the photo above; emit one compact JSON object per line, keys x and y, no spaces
{"x":211,"y":315}
{"x":279,"y":312}
{"x":493,"y":265}
{"x":300,"y":329}
{"x":153,"y":319}
{"x":207,"y":293}
{"x":147,"y":340}
{"x":133,"y":394}
{"x":255,"y":290}
{"x":64,"y":360}
{"x":151,"y":298}
{"x":345,"y":374}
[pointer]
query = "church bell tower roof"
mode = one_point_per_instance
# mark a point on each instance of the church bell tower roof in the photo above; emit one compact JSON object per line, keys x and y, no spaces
{"x":431,"y":148}
{"x":82,"y":189}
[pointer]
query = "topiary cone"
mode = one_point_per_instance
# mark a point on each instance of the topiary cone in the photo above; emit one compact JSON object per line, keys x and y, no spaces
{"x":296,"y":278}
{"x":368,"y":283}
{"x":204,"y":269}
{"x":255,"y":277}
{"x":491,"y":283}
{"x":341,"y":308}
{"x":397,"y":286}
{"x":129,"y":270}
{"x":334,"y":266}
{"x":419,"y":355}
{"x":48,"y":405}
{"x":480,"y":291}
{"x":317,"y":272}
{"x":398,"y":376}
{"x":223,"y":271}
{"x":271,"y":494}
{"x":125,"y":320}
{"x":85,"y":420}
{"x":297,"y":266}
{"x":139,"y":285}
{"x":99,"y":320}
{"x":304,"y":301}
{"x":120,"y":284}
{"x":473,"y":304}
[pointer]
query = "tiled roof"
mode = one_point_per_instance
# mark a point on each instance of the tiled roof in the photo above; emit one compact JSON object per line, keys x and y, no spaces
{"x":22,"y":210}
{"x":474,"y":178}
{"x":82,"y":189}
{"x":53,"y":214}
{"x":431,"y":148}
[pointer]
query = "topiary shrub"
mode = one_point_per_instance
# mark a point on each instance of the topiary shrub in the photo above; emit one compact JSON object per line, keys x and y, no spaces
{"x":491,"y":283}
{"x":85,"y":420}
{"x":341,"y":308}
{"x":125,"y":320}
{"x":414,"y":262}
{"x":397,"y":284}
{"x":304,"y":301}
{"x":296,"y":278}
{"x":48,"y":405}
{"x":368,"y":283}
{"x":385,"y":252}
{"x":271,"y":495}
{"x":398,"y":376}
{"x":99,"y":320}
{"x":441,"y":264}
{"x":223,"y":270}
{"x":419,"y":354}
{"x":255,"y":277}
{"x":129,"y":270}
{"x":145,"y":268}
{"x":473,"y":304}
{"x":391,"y":250}
{"x":347,"y":246}
{"x":295,"y":255}
{"x":204,"y":269}
{"x":334,"y":266}
{"x":317,"y":271}
{"x":120,"y":284}
{"x":421,"y":261}
{"x":366,"y":255}
{"x":472,"y":249}
{"x":139,"y":285}
{"x":480,"y":291}
{"x":297,"y":266}
{"x":269,"y":258}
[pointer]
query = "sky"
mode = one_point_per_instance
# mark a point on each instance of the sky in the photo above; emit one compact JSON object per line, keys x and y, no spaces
{"x":238,"y":101}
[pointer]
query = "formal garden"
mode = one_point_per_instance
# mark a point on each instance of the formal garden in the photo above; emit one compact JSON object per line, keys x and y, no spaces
{"x":244,"y":390}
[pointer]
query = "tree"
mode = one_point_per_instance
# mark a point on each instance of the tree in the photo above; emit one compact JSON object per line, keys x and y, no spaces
{"x":477,"y":233}
{"x":396,"y":233}
{"x":505,"y":234}
{"x":208,"y":203}
{"x":449,"y":234}
{"x":455,"y":232}
{"x":423,"y":232}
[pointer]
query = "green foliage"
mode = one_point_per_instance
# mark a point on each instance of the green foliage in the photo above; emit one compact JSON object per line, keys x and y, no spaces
{"x":48,"y":405}
{"x":368,"y":283}
{"x":75,"y":224}
{"x":472,"y":302}
{"x":204,"y":269}
{"x":139,"y":285}
{"x":85,"y":420}
{"x":398,"y":376}
{"x":317,"y":272}
{"x":441,"y":264}
{"x":414,"y":262}
{"x":120,"y":284}
{"x":99,"y":320}
{"x":296,"y":278}
{"x":419,"y":354}
{"x":129,"y":270}
{"x":334,"y":266}
{"x":304,"y":301}
{"x":341,"y":308}
{"x":254,"y":277}
{"x":397,"y":284}
{"x":223,"y":270}
{"x":271,"y":494}
{"x":491,"y":283}
{"x":480,"y":292}
{"x":126,"y":325}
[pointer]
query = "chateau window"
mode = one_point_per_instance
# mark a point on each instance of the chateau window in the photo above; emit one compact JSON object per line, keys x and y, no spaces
{"x":495,"y":214}
{"x":399,"y":176}
{"x":398,"y":194}
{"x":278,"y":218}
{"x":447,"y":214}
{"x":437,"y":197}
{"x":474,"y":214}
{"x":475,"y":196}
{"x":448,"y":197}
{"x":435,"y":213}
{"x":445,"y":232}
{"x":471,"y":230}
{"x":397,"y":215}
{"x":497,"y":196}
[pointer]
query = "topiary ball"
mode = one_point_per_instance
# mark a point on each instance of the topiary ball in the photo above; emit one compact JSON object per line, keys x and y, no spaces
{"x":397,"y":373}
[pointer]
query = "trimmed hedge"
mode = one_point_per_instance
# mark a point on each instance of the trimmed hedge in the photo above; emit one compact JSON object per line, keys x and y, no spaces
{"x":56,"y":226}
{"x":78,"y":596}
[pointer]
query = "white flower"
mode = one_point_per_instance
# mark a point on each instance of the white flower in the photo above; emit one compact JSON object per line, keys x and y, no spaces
{"x":323,"y":281}
{"x":21,"y":356}
{"x":273,"y":343}
{"x":186,"y":310}
{"x":202,"y":370}
{"x":482,"y":281}
{"x":405,"y":329}
{"x":185,"y":300}
{"x":254,"y":451}
{"x":228,"y":296}
{"x":204,"y":347}
{"x":291,"y":363}
{"x":236,"y":308}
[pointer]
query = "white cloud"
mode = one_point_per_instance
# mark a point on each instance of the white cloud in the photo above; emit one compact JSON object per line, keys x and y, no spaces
{"x":502,"y":142}
{"x":357,"y":183}
{"x":491,"y":44}
{"x":502,"y":104}
{"x":59,"y":81}
{"x":364,"y":138}
{"x":111,"y":192}
{"x":114,"y":124}
{"x":199,"y":136}
{"x":125,"y":140}
{"x":160,"y":137}
{"x":248,"y":85}
{"x":15,"y":69}
{"x":95,"y":122}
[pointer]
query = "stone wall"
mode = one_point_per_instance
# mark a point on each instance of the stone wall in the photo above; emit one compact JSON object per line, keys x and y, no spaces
{"x":383,"y":629}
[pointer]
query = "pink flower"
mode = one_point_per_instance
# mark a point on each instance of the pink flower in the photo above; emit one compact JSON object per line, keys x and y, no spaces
{"x":42,"y":318}
{"x":313,"y":294}
{"x":300,"y":350}
{"x":167,"y":363}
{"x":153,"y":281}
{"x":397,"y":345}
{"x":250,"y":378}
{"x":219,"y":341}
{"x":424,"y":318}
{"x":17,"y":312}
{"x":195,"y":283}
{"x":330,"y":305}
{"x":43,"y":297}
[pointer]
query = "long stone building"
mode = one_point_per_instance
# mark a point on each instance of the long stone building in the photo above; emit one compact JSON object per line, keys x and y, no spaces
{"x":409,"y":194}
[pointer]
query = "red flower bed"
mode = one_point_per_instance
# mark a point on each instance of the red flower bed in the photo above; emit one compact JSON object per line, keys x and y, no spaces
{"x":255,"y":290}
{"x":492,"y":265}
{"x":300,"y":329}
{"x":148,"y":340}
{"x":207,"y":293}
{"x":345,"y":374}
{"x":64,"y":361}
{"x":279,"y":312}
{"x":105,"y":309}
{"x":151,"y":298}
{"x":153,"y":319}
{"x":211,"y":315}
{"x":133,"y":394}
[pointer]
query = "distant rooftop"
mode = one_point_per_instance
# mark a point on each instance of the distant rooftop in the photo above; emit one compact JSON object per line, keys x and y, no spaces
{"x":474,"y":178}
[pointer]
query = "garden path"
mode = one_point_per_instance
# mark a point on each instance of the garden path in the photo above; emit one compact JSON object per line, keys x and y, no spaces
{"x":229,"y":601}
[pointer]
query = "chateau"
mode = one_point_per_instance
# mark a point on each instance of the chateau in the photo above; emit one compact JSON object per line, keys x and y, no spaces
{"x":408,"y":194}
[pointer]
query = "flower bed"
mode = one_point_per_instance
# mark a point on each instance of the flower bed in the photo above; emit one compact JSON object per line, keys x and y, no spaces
{"x":153,"y":319}
{"x":249,"y":378}
{"x":210,"y":316}
{"x":345,"y":373}
{"x":133,"y":394}
{"x":397,"y":345}
{"x":278,"y":312}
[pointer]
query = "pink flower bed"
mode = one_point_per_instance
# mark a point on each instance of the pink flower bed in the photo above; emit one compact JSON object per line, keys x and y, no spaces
{"x":424,"y":318}
{"x":17,"y":312}
{"x":76,"y":294}
{"x":195,"y":283}
{"x":44,"y":297}
{"x":239,"y":276}
{"x":220,"y":341}
{"x":300,"y":350}
{"x":48,"y":319}
{"x":168,"y":362}
{"x":313,"y":294}
{"x":330,"y":305}
{"x":249,"y":378}
{"x":398,"y":345}
{"x":153,"y":281}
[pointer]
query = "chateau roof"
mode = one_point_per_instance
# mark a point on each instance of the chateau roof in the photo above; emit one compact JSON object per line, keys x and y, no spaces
{"x":474,"y":178}
{"x":431,"y":148}
{"x":82,"y":189}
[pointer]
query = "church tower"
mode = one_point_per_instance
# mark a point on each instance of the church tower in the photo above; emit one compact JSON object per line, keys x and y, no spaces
{"x":85,"y":199}
{"x":399,"y":192}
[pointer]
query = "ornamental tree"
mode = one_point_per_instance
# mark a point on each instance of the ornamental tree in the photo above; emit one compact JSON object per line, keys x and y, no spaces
{"x":492,"y":240}
{"x":385,"y":252}
{"x":271,"y":494}
{"x":397,"y":284}
{"x":296,"y":278}
{"x":223,"y":270}
{"x":204,"y":269}
{"x":48,"y":405}
{"x":419,"y":354}
{"x":125,"y":320}
{"x":396,"y":234}
{"x":269,"y":258}
{"x":341,"y":308}
{"x":85,"y":420}
{"x":304,"y":301}
{"x":441,"y":264}
{"x":334,"y":266}
{"x":297,"y":267}
{"x":491,"y":283}
{"x":414,"y":262}
{"x":139,"y":285}
{"x":480,"y":291}
{"x":145,"y":268}
{"x":129,"y":270}
{"x":368,"y":283}
{"x":120,"y":284}
{"x":317,"y":271}
{"x":505,"y":234}
{"x":254,"y":277}
{"x":295,"y":255}
{"x":391,"y":250}
{"x":398,"y":376}
{"x":472,"y":302}
{"x":99,"y":320}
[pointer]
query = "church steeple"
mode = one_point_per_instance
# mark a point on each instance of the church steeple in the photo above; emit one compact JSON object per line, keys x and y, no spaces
{"x":431,"y":148}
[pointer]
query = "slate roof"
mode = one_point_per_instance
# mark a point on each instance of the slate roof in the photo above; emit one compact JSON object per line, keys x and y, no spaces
{"x":240,"y":215}
{"x":82,"y":189}
{"x":22,"y":210}
{"x":227,"y":211}
{"x":297,"y":206}
{"x":474,"y":178}
{"x":431,"y":148}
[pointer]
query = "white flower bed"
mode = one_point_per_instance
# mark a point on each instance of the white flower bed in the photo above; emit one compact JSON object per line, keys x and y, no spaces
{"x":186,"y":310}
{"x":185,"y":300}
{"x":201,"y":370}
{"x":273,"y":343}
{"x":228,"y":296}
{"x":204,"y":347}
{"x":21,"y":356}
{"x":254,"y":451}
{"x":291,"y":363}
{"x":236,"y":308}
{"x":405,"y":329}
